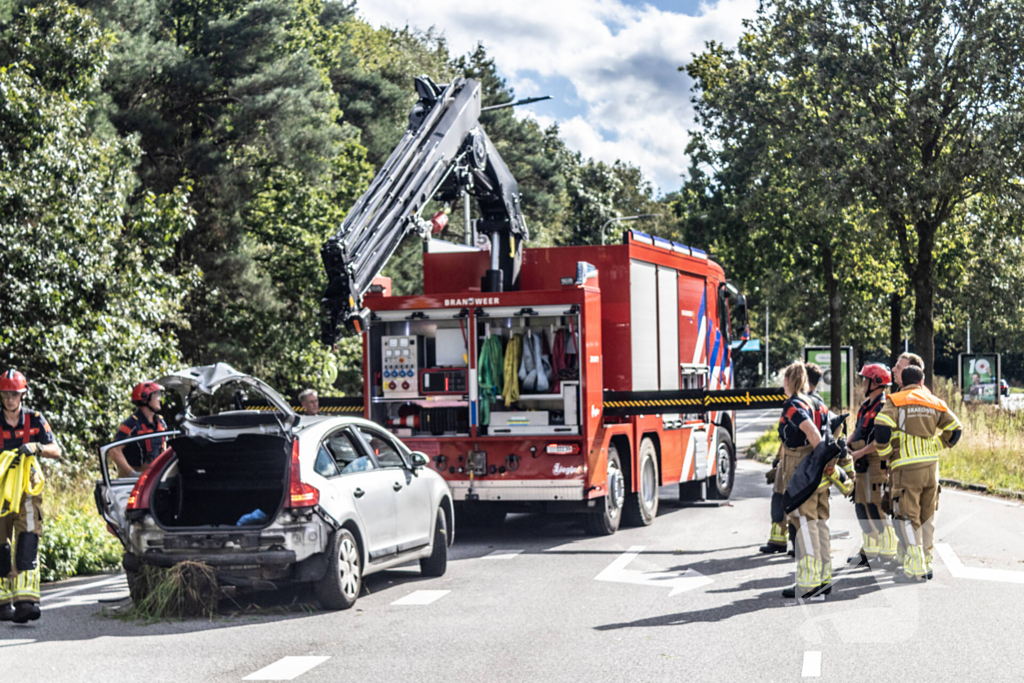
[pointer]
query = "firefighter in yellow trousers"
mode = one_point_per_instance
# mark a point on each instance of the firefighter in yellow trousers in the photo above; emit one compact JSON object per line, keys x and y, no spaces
{"x":879,"y":540}
{"x":25,"y":435}
{"x":922,"y":425}
{"x":800,"y":432}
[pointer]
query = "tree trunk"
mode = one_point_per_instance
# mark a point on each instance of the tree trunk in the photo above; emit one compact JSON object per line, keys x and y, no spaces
{"x":834,"y":330}
{"x":895,"y":327}
{"x":924,"y":300}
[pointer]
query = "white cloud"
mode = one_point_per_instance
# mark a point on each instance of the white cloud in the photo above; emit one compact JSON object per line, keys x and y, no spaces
{"x":621,"y":60}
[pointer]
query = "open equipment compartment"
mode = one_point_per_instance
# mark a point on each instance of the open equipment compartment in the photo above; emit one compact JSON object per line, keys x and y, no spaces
{"x":547,"y":400}
{"x":419,"y":365}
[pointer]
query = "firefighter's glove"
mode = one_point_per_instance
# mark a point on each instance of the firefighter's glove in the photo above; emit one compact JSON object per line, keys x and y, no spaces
{"x":769,"y":476}
{"x":30,"y":449}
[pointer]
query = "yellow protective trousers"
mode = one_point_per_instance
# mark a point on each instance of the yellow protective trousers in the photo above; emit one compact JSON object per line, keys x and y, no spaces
{"x":21,"y":519}
{"x":811,"y":524}
{"x":915,"y":499}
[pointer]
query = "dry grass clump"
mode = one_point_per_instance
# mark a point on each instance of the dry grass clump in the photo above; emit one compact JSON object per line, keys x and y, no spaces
{"x":188,"y":589}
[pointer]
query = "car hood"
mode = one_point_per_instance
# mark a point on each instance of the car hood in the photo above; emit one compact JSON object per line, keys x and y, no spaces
{"x":205,"y":379}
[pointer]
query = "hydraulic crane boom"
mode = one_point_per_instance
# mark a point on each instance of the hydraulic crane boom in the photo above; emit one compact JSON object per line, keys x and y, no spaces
{"x":443,"y":153}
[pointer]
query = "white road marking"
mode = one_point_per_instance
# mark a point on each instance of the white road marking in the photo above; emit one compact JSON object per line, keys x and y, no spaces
{"x":679,"y":582}
{"x":959,"y":571}
{"x":17,"y":641}
{"x":87,"y":585}
{"x":812,"y":664}
{"x":990,"y":499}
{"x":501,"y":555}
{"x":286,"y":669}
{"x":421,"y":598}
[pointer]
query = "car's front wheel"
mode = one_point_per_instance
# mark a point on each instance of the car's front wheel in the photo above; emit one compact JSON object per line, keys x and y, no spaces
{"x":340,"y":585}
{"x":437,"y":563}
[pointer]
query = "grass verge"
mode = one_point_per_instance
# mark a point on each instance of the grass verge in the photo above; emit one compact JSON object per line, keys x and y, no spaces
{"x":991,"y":450}
{"x":766,"y":446}
{"x":75,"y":539}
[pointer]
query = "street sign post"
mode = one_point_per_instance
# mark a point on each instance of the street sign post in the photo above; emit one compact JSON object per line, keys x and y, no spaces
{"x":979,"y":377}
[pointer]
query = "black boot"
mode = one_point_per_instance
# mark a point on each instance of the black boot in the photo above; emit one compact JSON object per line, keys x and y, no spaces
{"x":859,"y":560}
{"x":25,"y":612}
{"x":791,"y":592}
{"x":792,"y":552}
{"x":769,"y":548}
{"x":904,"y":578}
{"x":6,"y":612}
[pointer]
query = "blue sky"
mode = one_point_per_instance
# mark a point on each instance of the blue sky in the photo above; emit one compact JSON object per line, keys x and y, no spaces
{"x":610,"y":65}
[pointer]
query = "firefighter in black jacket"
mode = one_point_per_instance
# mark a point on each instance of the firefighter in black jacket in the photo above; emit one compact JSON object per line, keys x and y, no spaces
{"x":27,"y":435}
{"x":800,"y":432}
{"x":879,"y":539}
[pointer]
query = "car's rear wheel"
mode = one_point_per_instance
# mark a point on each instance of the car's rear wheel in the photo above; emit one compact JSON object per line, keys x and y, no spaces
{"x":341,"y":583}
{"x":437,"y":563}
{"x":138,"y":587}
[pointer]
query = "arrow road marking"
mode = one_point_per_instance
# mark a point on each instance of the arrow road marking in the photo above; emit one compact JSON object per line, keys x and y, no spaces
{"x":959,"y":571}
{"x":679,"y":582}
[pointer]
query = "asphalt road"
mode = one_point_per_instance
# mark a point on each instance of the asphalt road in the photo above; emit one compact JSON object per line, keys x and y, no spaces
{"x":686,"y":599}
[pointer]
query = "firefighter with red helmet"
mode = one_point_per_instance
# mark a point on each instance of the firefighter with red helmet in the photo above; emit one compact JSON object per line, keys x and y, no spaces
{"x":133,"y":458}
{"x":879,"y":539}
{"x":26,"y":435}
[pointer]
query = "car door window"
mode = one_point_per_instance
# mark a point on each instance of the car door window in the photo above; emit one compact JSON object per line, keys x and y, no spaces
{"x":387,"y":452}
{"x":347,"y":456}
{"x":325,"y":465}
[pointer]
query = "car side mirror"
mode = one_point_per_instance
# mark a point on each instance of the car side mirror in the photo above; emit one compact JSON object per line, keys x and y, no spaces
{"x":419,"y":460}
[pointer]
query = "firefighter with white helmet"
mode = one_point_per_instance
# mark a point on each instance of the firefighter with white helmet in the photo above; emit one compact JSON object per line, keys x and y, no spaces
{"x":26,"y":435}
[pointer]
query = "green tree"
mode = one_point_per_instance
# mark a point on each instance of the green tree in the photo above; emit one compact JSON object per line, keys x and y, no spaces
{"x":918,"y":108}
{"x":88,"y":302}
{"x":235,"y":95}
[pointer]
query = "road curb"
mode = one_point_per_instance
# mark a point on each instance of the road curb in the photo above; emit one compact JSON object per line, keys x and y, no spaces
{"x":982,"y":488}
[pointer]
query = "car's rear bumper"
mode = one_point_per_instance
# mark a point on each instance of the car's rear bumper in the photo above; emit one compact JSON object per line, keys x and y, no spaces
{"x":223,"y":561}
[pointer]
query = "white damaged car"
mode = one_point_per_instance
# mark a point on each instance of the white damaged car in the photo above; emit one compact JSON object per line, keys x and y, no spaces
{"x":268,"y":497}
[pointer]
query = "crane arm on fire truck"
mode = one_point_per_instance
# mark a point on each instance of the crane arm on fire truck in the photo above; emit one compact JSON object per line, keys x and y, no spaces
{"x":443,"y":153}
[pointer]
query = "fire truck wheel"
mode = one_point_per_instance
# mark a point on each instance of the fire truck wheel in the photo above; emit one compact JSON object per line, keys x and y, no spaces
{"x":720,"y":485}
{"x":642,"y":506}
{"x":436,"y":564}
{"x":605,"y":522}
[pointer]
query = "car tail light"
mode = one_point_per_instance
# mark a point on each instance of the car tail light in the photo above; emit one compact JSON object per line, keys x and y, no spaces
{"x":562,"y":449}
{"x":302,"y":495}
{"x":138,"y":499}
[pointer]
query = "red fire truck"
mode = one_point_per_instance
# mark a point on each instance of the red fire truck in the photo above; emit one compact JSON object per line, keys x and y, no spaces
{"x":565,"y":379}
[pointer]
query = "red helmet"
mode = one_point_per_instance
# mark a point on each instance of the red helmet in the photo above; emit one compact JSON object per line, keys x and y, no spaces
{"x":12,"y":380}
{"x":877,"y":373}
{"x":142,"y":392}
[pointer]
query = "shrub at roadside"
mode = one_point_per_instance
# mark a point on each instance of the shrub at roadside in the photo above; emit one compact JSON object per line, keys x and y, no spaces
{"x":75,"y":539}
{"x":766,"y":446}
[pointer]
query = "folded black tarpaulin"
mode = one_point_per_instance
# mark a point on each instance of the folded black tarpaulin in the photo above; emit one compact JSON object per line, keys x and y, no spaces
{"x":808,"y":474}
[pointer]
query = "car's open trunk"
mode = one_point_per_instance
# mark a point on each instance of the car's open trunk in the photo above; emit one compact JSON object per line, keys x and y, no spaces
{"x":218,"y":482}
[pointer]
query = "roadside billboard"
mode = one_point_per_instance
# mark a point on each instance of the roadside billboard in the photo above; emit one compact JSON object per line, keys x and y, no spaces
{"x":822,"y":356}
{"x":979,"y":377}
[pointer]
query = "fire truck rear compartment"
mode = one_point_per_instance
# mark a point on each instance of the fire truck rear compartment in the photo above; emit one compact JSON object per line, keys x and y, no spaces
{"x":214,"y":483}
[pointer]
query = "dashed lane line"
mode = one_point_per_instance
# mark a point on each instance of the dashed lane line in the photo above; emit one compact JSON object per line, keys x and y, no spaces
{"x":421,"y":598}
{"x":812,"y":664}
{"x":286,"y":669}
{"x":502,"y":554}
